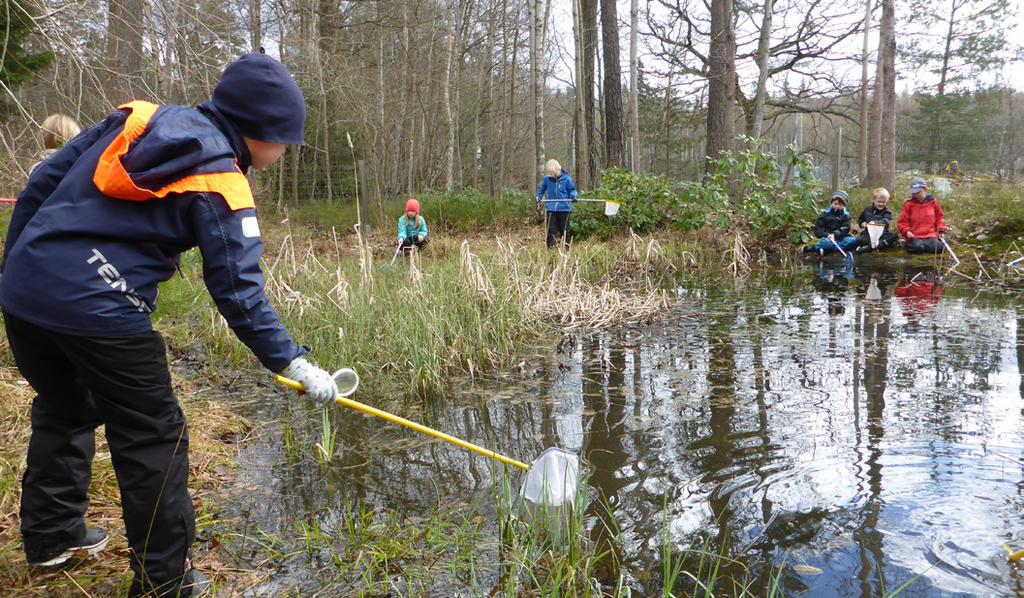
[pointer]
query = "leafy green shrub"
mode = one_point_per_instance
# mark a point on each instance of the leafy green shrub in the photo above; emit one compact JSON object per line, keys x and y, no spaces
{"x":747,"y":188}
{"x":767,"y":201}
{"x":646,"y":199}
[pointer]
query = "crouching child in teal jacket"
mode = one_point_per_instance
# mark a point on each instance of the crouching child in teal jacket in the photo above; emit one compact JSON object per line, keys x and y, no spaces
{"x":412,"y":228}
{"x":833,"y":227}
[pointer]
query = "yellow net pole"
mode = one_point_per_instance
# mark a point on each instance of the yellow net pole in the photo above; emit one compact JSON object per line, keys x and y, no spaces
{"x":413,"y":425}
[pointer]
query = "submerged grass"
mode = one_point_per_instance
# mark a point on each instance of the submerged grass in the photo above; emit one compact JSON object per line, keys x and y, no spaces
{"x":353,"y":550}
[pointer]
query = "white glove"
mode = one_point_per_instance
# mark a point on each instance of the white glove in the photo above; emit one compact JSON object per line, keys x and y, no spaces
{"x":320,"y":386}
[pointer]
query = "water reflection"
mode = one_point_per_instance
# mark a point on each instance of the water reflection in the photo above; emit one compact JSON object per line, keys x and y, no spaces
{"x":862,"y":421}
{"x":871,"y":361}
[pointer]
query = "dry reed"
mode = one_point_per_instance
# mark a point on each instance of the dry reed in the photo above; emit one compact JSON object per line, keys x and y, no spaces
{"x":557,"y":294}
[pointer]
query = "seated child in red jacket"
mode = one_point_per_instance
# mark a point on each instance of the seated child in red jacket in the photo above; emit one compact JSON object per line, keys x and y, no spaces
{"x":921,"y":220}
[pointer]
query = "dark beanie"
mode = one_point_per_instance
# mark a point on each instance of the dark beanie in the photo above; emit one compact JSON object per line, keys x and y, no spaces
{"x":258,"y":95}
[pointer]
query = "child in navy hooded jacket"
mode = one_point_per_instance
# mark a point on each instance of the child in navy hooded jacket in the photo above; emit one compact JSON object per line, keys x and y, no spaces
{"x":98,"y":226}
{"x":833,"y":227}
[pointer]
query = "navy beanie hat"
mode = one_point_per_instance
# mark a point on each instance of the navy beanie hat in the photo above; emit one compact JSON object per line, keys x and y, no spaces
{"x":258,"y":95}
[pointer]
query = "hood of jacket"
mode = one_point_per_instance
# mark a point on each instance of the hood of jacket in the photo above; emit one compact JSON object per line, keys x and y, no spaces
{"x":180,"y":142}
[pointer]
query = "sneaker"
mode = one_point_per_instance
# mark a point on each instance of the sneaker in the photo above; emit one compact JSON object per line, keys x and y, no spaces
{"x":94,"y":541}
{"x":861,"y":249}
{"x":821,"y":252}
{"x":199,"y":585}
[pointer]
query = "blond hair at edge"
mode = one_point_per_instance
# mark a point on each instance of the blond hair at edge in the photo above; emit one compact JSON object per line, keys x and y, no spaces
{"x":880,"y":192}
{"x":58,"y":129}
{"x":552,"y":168}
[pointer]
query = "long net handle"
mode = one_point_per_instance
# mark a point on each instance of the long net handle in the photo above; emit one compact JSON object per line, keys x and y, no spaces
{"x":412,"y":425}
{"x":950,"y":250}
{"x":834,"y":242}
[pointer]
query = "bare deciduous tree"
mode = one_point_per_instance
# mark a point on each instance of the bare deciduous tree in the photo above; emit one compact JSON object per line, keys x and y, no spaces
{"x":614,"y":148}
{"x":862,"y":142}
{"x":634,"y":94}
{"x":124,"y":49}
{"x":722,"y":82}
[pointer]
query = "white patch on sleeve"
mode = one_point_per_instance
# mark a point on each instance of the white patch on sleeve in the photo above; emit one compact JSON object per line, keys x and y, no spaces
{"x":250,"y":228}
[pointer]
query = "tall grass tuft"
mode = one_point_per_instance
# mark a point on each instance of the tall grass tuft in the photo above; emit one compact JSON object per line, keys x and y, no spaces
{"x":409,"y":328}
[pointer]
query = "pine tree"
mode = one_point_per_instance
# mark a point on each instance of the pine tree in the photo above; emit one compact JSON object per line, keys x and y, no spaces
{"x":19,"y":62}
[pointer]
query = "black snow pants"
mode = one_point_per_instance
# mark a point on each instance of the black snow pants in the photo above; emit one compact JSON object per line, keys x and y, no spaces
{"x":930,"y":245}
{"x":558,"y":228}
{"x":123,"y":383}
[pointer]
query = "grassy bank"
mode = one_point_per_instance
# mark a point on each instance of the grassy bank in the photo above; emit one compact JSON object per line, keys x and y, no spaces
{"x":985,"y":218}
{"x":460,"y":309}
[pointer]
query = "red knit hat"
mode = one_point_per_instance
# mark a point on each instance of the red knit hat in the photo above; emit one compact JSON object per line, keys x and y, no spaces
{"x":412,"y":205}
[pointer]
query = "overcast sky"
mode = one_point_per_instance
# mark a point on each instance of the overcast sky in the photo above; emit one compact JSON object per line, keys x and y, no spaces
{"x":907,"y":78}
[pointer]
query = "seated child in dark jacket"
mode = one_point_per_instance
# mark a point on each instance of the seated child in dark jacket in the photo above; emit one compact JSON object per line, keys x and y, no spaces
{"x":876,"y":214}
{"x":833,"y":227}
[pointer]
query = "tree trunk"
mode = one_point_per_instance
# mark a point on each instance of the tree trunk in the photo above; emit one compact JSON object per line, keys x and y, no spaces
{"x":588,"y":27}
{"x":875,"y":158}
{"x":763,"y":48}
{"x":485,"y":86}
{"x":124,"y":50}
{"x":1011,"y":149}
{"x":382,"y":175}
{"x":326,"y":128}
{"x":634,"y":93}
{"x":537,"y":28}
{"x":171,"y":85}
{"x":150,"y":28}
{"x":862,"y":142}
{"x":510,"y":107}
{"x":449,"y":117}
{"x":665,"y":130}
{"x":580,"y":133}
{"x":463,"y":18}
{"x":938,"y":123}
{"x":408,"y":120}
{"x":423,"y":175}
{"x":888,"y":146}
{"x":614,"y":148}
{"x":722,"y":83}
{"x":255,"y":26}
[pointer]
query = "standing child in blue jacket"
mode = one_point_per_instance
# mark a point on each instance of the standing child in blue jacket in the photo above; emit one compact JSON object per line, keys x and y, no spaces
{"x":98,"y":226}
{"x":833,"y":227}
{"x":412,"y":228}
{"x":557,"y":185}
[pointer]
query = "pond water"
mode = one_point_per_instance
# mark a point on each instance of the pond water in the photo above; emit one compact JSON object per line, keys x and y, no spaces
{"x":859,"y":429}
